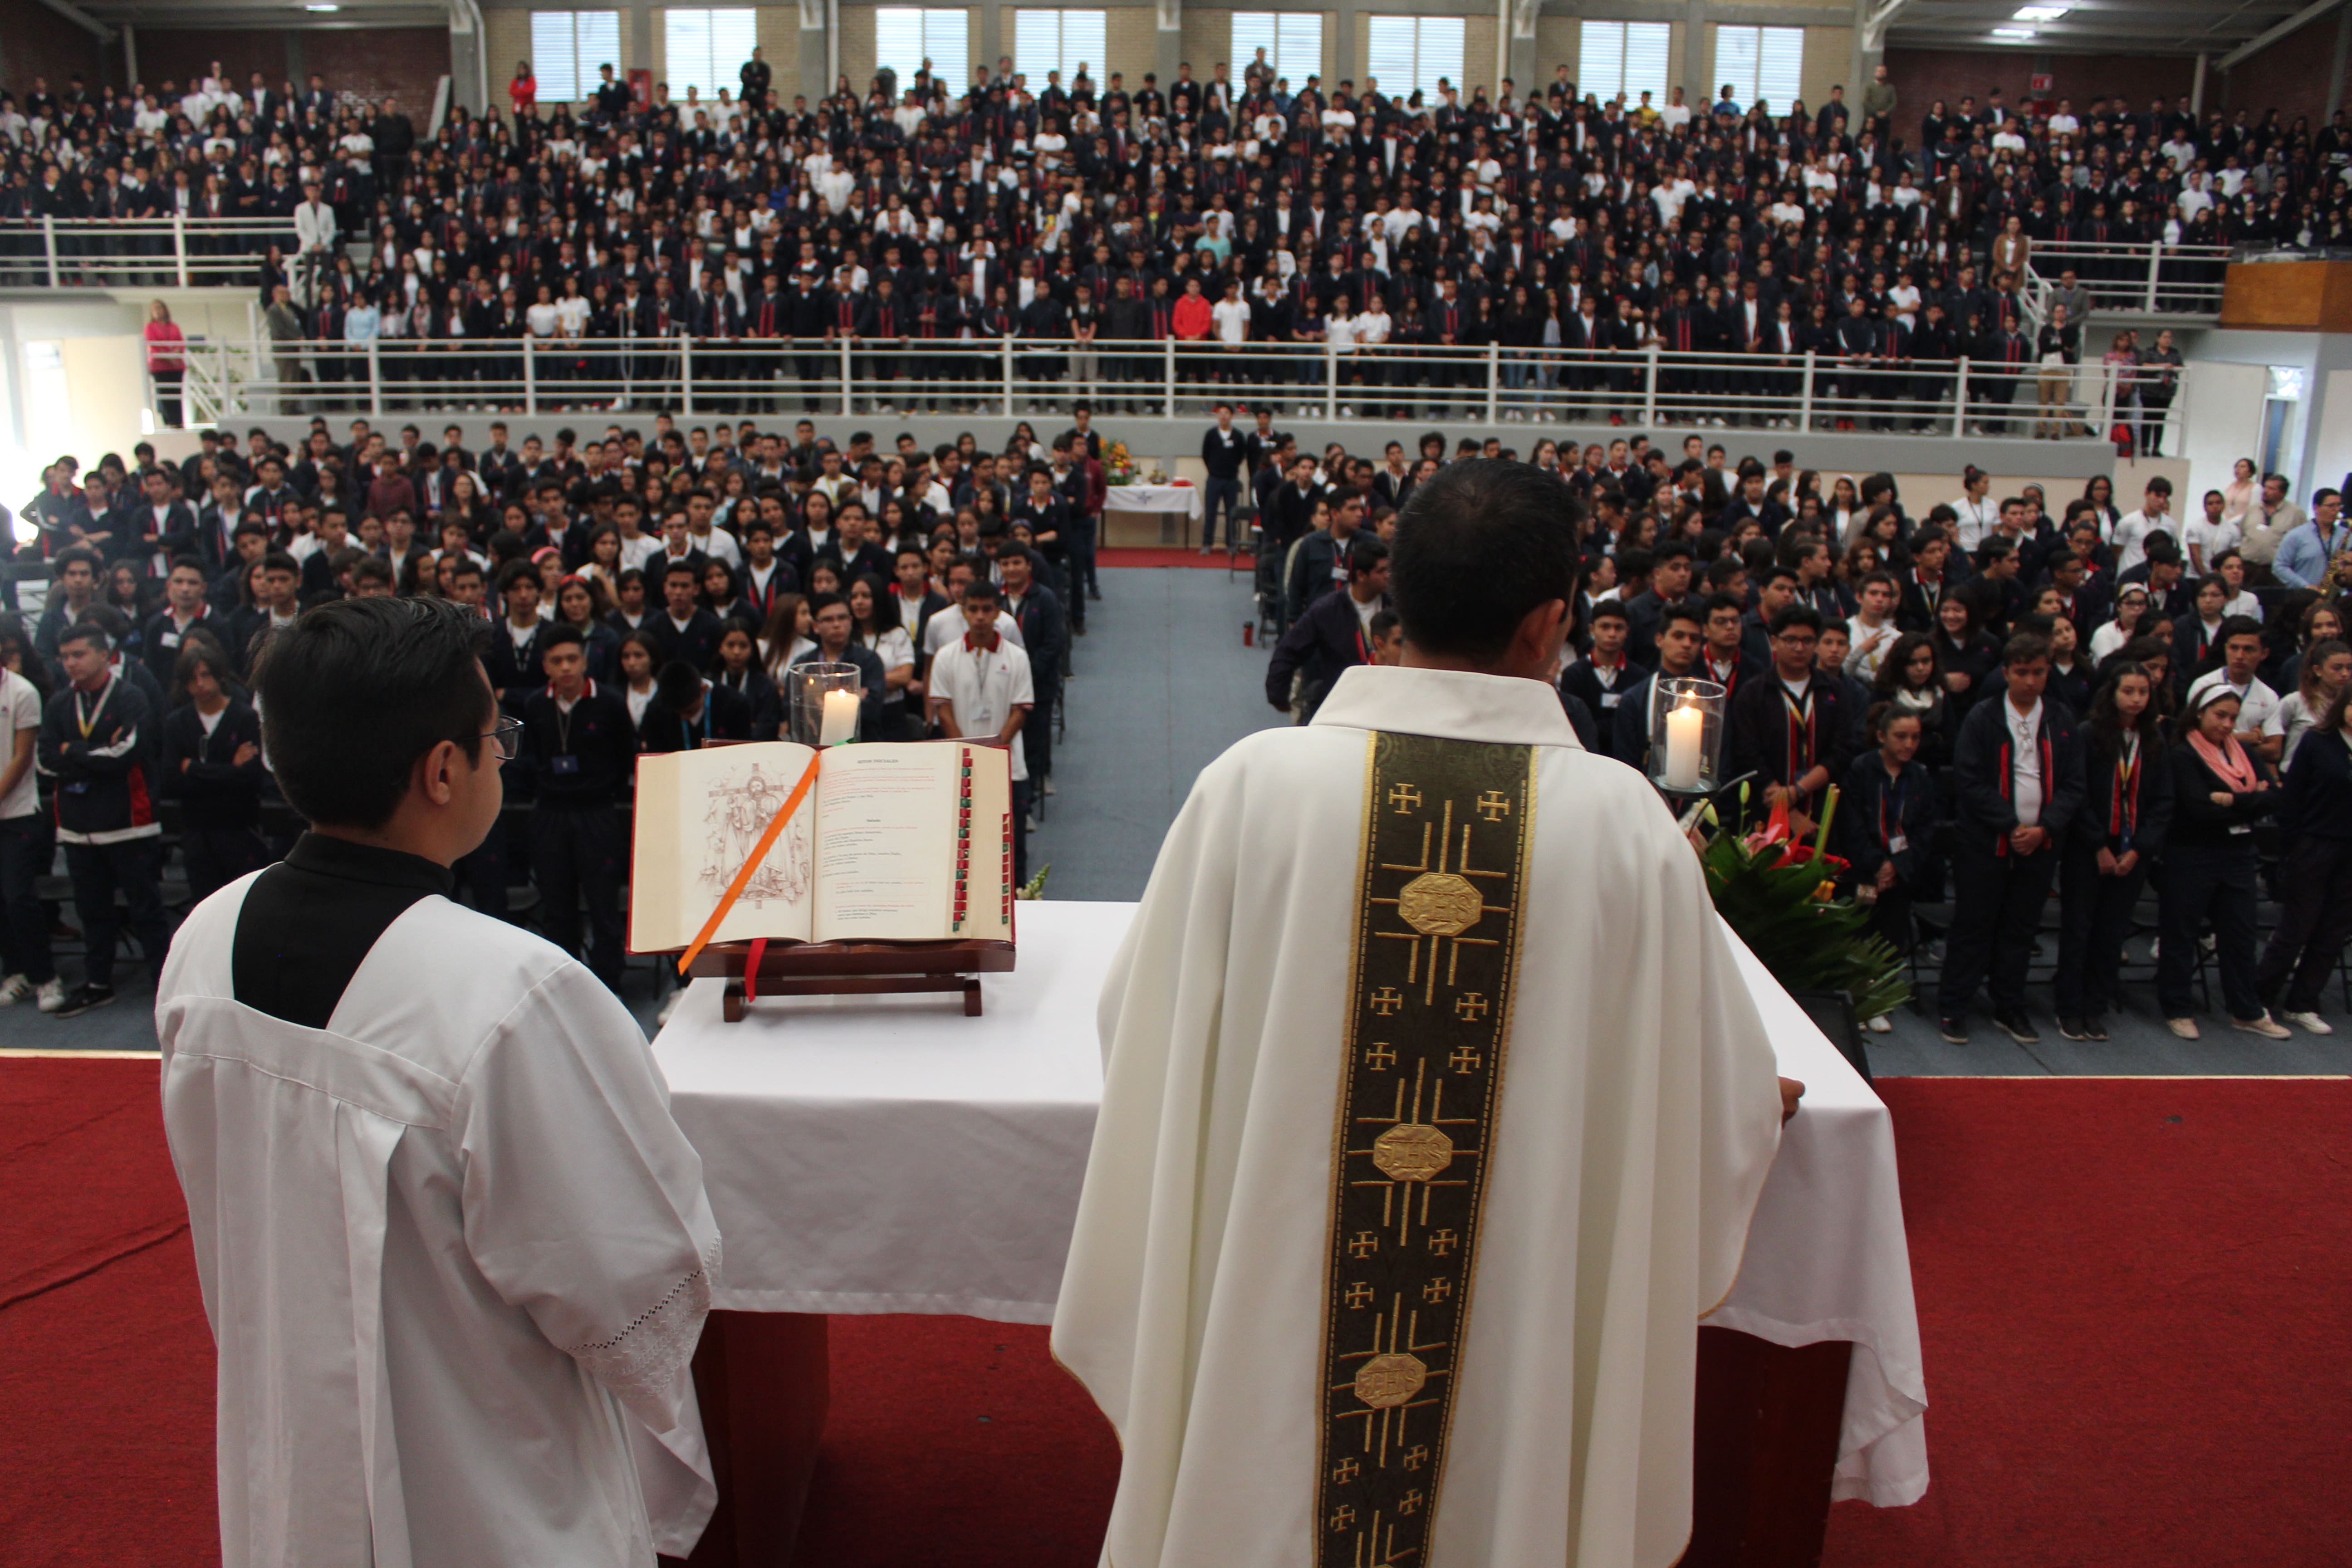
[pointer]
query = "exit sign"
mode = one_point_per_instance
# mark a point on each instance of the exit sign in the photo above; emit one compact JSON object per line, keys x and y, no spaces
{"x":2041,"y":81}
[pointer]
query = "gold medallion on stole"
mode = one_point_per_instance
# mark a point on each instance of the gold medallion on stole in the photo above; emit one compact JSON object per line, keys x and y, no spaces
{"x":1441,"y":874}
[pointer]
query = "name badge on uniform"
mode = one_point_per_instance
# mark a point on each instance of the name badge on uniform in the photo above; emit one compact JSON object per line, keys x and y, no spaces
{"x":565,"y":763}
{"x":2242,"y":827}
{"x":1608,"y":700}
{"x":1898,"y":844}
{"x":169,"y":640}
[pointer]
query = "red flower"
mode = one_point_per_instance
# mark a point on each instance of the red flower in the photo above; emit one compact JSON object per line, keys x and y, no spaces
{"x":1775,"y":833}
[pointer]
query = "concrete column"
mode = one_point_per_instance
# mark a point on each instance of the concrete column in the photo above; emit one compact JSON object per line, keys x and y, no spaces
{"x":1168,"y":44}
{"x":638,"y":54}
{"x":464,"y":66}
{"x":1520,"y":63}
{"x":2343,"y":55}
{"x":993,"y":42}
{"x":813,"y":57}
{"x":1343,"y":52}
{"x":1698,"y":60}
{"x":1865,"y":60}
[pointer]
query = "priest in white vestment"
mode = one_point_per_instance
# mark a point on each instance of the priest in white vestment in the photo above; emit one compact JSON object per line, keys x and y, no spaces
{"x":1422,"y":997}
{"x":454,"y":1252}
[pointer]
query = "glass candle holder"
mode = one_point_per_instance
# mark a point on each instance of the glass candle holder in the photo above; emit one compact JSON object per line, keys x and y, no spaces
{"x":1687,"y":718}
{"x":825,"y":701}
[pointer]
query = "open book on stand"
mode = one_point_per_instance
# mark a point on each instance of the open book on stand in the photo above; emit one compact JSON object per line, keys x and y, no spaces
{"x":906,"y":842}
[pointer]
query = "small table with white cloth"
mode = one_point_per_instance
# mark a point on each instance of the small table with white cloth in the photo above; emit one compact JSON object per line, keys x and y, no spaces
{"x":880,"y":1154}
{"x":1127,"y":517}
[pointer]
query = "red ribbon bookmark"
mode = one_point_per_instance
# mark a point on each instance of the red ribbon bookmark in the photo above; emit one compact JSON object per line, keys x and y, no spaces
{"x":743,"y":877}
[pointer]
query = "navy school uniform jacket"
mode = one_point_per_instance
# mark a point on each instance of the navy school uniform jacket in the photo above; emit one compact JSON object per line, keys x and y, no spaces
{"x":1328,"y":638}
{"x":106,"y":787}
{"x":1876,"y":810}
{"x":1760,"y":731}
{"x":1581,"y":681}
{"x":2123,"y":808}
{"x":214,"y":791}
{"x":1984,"y":778}
{"x":2318,"y":802}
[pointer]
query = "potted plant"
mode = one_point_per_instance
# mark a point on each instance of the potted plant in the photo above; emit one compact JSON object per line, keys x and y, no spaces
{"x":1782,"y":899}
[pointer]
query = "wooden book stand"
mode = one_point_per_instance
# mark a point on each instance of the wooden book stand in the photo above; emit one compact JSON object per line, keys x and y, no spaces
{"x":860,"y":968}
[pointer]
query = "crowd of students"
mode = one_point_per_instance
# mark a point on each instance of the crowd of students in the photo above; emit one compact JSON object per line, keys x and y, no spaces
{"x":2013,"y":696}
{"x":641,"y":590}
{"x":1260,"y":224}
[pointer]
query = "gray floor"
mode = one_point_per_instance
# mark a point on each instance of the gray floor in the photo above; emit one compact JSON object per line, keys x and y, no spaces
{"x":1162,"y":684}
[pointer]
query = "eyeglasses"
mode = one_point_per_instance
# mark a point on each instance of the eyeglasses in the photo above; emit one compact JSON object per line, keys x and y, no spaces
{"x":506,"y":735}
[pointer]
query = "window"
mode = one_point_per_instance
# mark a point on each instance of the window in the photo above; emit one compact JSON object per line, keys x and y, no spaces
{"x":907,"y":35}
{"x":1058,"y":41}
{"x":706,"y":49}
{"x":1627,"y":57}
{"x":566,"y":48}
{"x":1766,"y":63}
{"x":1414,"y":54}
{"x":1293,"y":42}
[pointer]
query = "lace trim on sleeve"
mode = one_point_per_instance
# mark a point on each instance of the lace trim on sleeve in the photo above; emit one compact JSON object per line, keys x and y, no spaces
{"x":642,"y":1364}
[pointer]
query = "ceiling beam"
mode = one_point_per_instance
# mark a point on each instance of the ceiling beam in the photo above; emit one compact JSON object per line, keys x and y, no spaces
{"x":2264,"y":40}
{"x":1874,"y":24}
{"x":82,"y":19}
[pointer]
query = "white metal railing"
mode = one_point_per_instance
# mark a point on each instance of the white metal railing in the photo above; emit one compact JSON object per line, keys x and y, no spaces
{"x":2154,"y":279}
{"x":138,"y":253}
{"x":1012,"y":376}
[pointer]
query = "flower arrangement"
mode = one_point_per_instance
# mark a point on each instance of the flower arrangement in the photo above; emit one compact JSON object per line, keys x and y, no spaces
{"x":1118,"y":465}
{"x":1781,"y":897}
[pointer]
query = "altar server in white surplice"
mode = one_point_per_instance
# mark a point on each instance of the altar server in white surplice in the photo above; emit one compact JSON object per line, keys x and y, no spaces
{"x":454,"y":1252}
{"x":1422,"y":997}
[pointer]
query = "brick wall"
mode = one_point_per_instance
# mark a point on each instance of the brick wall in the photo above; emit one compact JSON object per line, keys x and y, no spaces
{"x":506,"y":37}
{"x":42,"y":43}
{"x":1829,"y":61}
{"x":1560,"y":40}
{"x":1208,"y":39}
{"x":858,"y":43}
{"x":1478,"y":55}
{"x":408,"y":62}
{"x":1131,"y":44}
{"x":780,"y":46}
{"x":1923,"y":76}
{"x":2291,"y":76}
{"x":180,"y":53}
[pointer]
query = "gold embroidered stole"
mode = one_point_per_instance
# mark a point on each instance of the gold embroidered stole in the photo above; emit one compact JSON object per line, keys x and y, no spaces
{"x":1443,"y":869}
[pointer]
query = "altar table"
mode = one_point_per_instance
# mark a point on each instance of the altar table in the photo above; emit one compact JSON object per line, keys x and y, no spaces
{"x":888,"y":1154}
{"x":1126,"y":519}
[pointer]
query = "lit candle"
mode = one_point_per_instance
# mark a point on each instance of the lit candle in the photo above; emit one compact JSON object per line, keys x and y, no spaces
{"x":840,"y":718}
{"x":1685,"y":728}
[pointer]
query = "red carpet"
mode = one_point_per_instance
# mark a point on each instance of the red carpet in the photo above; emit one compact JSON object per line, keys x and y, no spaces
{"x":2131,"y":1291}
{"x":2132,"y":1296}
{"x":1145,"y":555}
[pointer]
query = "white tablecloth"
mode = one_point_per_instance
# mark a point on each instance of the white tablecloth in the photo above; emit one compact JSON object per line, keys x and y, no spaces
{"x":888,"y":1154}
{"x":1185,"y":499}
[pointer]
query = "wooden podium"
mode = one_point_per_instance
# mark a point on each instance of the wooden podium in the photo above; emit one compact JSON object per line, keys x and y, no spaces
{"x":2288,"y":295}
{"x":843,"y":968}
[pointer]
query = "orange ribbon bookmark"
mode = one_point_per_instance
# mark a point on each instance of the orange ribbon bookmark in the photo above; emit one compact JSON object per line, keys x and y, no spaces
{"x":743,"y":877}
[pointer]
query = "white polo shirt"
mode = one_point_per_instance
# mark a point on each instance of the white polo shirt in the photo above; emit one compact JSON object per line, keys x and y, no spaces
{"x":2257,"y":704}
{"x":946,"y":626}
{"x":20,"y":709}
{"x":984,"y":688}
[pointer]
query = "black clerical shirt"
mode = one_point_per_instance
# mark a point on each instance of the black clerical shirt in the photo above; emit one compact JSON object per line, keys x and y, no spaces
{"x":308,"y":922}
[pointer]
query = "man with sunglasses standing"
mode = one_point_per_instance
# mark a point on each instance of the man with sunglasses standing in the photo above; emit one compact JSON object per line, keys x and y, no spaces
{"x":454,"y":1252}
